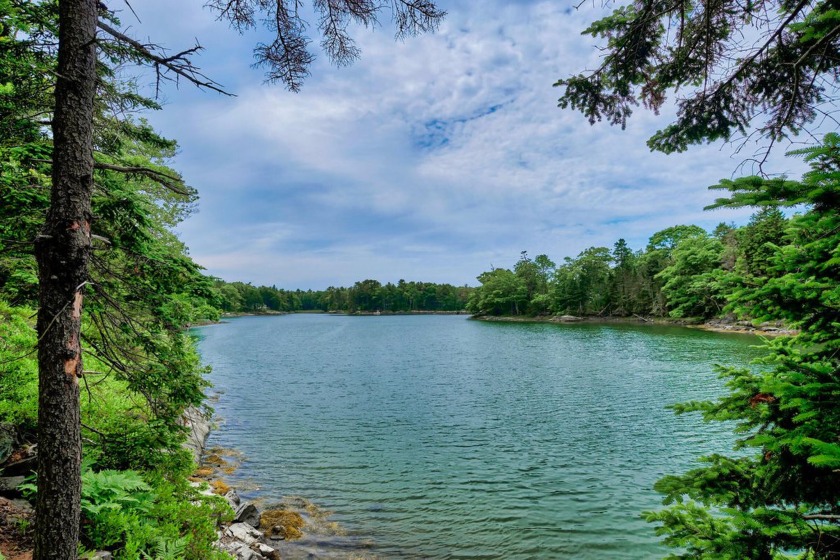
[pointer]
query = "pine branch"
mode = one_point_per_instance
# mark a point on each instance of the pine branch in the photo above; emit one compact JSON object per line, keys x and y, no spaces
{"x":163,"y":179}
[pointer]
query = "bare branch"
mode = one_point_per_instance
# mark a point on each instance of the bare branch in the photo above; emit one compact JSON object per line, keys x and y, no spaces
{"x":179,"y":63}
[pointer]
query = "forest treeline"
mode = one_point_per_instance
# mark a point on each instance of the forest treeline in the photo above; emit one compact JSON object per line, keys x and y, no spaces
{"x":364,"y":296}
{"x":683,"y":271}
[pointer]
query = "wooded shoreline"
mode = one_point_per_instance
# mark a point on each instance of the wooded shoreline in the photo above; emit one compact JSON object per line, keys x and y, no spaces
{"x":713,"y":325}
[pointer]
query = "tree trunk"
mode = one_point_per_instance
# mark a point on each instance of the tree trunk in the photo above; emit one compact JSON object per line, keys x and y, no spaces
{"x":63,"y":251}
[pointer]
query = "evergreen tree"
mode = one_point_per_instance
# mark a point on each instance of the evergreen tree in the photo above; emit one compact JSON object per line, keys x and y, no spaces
{"x":64,"y":247}
{"x":779,"y":496}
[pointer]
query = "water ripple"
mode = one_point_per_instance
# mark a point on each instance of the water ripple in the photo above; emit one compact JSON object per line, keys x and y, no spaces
{"x":438,"y":437}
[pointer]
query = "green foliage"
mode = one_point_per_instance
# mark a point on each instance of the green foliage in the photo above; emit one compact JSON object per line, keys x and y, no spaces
{"x":693,"y":280}
{"x":142,"y":368}
{"x":582,"y":284}
{"x":151,"y":515}
{"x":760,"y":240}
{"x":112,"y":502}
{"x":731,"y":62}
{"x":781,"y":497}
{"x":501,"y":292}
{"x":18,"y":367}
{"x":168,"y":549}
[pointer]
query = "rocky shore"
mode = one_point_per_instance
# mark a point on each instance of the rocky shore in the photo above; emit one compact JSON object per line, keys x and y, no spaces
{"x":242,"y":538}
{"x":255,"y":533}
{"x":716,"y":325}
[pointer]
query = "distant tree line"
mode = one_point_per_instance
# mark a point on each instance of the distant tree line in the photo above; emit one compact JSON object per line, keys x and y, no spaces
{"x":365,"y":296}
{"x":684,"y":271}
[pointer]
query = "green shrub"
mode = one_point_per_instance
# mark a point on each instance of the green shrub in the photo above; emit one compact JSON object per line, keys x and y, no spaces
{"x":148,"y":516}
{"x":18,"y":367}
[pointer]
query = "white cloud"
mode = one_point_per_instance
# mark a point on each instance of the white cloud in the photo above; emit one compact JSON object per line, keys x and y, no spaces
{"x":429,"y":159}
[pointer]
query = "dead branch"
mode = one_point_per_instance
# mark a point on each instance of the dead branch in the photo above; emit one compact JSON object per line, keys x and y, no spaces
{"x":178,"y":64}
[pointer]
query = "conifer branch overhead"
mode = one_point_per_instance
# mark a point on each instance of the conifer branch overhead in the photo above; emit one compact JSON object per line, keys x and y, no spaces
{"x":767,"y":67}
{"x":287,"y":57}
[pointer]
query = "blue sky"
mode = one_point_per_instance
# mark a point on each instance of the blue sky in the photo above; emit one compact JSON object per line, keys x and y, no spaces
{"x":431,"y":159}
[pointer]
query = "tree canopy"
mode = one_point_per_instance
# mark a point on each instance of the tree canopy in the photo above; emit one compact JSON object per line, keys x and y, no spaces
{"x":732,"y":66}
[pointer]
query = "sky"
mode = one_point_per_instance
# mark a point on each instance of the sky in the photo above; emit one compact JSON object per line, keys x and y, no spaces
{"x":431,"y":159}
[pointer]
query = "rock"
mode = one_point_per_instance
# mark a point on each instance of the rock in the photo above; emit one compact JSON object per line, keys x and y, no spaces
{"x":247,"y":513}
{"x":7,"y":441}
{"x":25,"y":465}
{"x":276,"y":533}
{"x":245,"y":553}
{"x":198,"y":428}
{"x":9,"y":484}
{"x":569,"y":319}
{"x":23,"y":506}
{"x":240,"y":551}
{"x":98,"y":555}
{"x":244,"y":533}
{"x":233,"y":499}
{"x":267,"y":551}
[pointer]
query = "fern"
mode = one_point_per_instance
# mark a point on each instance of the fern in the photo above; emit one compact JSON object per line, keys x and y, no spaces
{"x":168,"y":549}
{"x":114,"y":490}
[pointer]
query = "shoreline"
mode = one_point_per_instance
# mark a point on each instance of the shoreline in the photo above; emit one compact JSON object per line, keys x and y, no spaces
{"x":320,"y":312}
{"x":712,"y":325}
{"x":291,"y":527}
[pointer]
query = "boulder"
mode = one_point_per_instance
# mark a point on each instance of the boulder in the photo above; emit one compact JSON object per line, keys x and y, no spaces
{"x":244,"y":533}
{"x":267,"y":551}
{"x":198,"y":426}
{"x":23,"y":506}
{"x":7,"y":441}
{"x":569,"y":319}
{"x":247,"y":513}
{"x":241,"y":551}
{"x":9,"y":484}
{"x":25,"y":465}
{"x":233,"y":499}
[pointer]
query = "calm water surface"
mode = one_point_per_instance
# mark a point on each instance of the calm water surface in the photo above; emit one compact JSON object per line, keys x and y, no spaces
{"x":440,"y":437}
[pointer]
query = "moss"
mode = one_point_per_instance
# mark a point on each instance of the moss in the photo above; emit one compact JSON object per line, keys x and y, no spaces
{"x":283,"y":523}
{"x":203,"y":472}
{"x":219,"y":487}
{"x":215,"y":460}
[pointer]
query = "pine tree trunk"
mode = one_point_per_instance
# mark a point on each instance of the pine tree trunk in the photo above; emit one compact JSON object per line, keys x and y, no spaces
{"x":63,"y":252}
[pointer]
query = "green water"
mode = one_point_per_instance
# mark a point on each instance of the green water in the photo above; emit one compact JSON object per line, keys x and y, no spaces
{"x":441,"y":437}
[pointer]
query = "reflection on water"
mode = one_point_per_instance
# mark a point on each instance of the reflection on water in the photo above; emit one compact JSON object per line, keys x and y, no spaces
{"x":440,"y":437}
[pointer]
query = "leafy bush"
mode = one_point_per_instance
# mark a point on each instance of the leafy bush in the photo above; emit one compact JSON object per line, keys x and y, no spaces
{"x":148,"y":516}
{"x":18,"y":367}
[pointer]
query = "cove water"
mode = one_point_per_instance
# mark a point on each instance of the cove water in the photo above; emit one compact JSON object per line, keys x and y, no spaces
{"x":444,"y":438}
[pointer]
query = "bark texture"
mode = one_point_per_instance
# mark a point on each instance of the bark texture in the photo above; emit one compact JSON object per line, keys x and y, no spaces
{"x":63,"y":251}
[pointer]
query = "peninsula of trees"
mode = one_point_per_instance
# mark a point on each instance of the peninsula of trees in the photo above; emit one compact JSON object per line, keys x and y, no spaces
{"x":683,"y":271}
